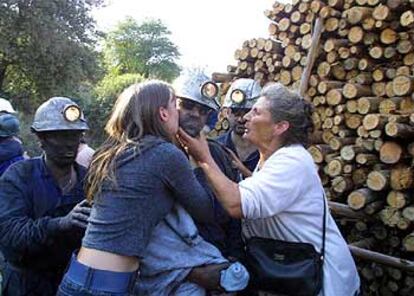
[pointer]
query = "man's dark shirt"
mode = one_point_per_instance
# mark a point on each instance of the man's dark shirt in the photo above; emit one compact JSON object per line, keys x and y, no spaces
{"x":225,"y":233}
{"x":251,"y":160}
{"x":29,"y":198}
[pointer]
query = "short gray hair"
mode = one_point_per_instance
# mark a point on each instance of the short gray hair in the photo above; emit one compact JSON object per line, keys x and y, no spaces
{"x":286,"y":105}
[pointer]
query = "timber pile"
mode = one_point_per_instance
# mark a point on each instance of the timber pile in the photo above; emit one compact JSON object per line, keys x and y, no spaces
{"x":361,"y":87}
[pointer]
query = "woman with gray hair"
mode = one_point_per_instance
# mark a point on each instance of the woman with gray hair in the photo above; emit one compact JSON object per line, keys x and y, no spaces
{"x":284,"y":199}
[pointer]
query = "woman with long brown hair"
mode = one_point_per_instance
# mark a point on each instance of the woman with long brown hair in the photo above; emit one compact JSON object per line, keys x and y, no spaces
{"x":133,"y":182}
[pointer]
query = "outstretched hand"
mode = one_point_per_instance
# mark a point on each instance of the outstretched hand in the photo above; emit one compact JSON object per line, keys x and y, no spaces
{"x":196,"y":147}
{"x":238,"y":164}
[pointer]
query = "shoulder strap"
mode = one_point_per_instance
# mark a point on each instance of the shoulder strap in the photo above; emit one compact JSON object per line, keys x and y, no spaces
{"x":323,"y":227}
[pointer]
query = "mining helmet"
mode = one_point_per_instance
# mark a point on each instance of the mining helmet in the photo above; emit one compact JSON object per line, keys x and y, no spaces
{"x":243,"y":93}
{"x":9,"y":125}
{"x":5,"y":106}
{"x":197,"y":87}
{"x":59,"y":113}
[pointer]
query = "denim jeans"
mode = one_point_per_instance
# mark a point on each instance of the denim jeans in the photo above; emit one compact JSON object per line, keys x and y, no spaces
{"x":82,"y":280}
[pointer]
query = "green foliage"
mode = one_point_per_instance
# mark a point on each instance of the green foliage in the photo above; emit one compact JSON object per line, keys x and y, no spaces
{"x":46,"y":48}
{"x":141,"y":48}
{"x":106,"y":93}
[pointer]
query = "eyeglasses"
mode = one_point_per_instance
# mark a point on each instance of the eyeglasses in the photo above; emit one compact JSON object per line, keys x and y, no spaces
{"x":189,"y":105}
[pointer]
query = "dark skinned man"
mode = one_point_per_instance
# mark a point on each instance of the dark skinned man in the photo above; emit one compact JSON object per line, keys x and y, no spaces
{"x":43,"y":211}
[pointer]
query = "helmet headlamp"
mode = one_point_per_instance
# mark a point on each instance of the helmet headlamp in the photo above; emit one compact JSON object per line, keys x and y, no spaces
{"x":238,"y":96}
{"x":72,"y":113}
{"x":209,"y":90}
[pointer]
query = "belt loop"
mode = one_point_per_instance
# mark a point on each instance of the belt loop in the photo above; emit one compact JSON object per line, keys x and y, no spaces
{"x":132,"y":282}
{"x":89,"y":276}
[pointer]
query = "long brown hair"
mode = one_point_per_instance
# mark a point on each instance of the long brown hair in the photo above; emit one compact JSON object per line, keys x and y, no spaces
{"x":134,"y":115}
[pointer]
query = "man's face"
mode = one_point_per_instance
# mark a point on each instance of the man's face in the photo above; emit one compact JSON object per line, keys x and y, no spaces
{"x":60,"y":147}
{"x":236,"y":120}
{"x":192,"y":116}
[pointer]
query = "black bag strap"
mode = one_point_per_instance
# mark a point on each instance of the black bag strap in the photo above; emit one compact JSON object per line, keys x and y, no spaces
{"x":323,"y":227}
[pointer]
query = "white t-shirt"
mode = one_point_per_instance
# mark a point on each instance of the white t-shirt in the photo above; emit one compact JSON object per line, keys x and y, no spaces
{"x":284,"y":200}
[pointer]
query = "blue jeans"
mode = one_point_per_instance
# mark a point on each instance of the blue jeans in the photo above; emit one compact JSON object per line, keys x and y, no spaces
{"x":82,"y":280}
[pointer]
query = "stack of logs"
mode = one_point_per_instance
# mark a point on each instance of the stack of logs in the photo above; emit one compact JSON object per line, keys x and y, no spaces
{"x":361,"y":87}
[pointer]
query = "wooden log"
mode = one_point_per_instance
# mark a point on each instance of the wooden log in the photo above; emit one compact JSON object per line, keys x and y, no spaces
{"x":339,"y":209}
{"x":344,"y":52}
{"x":390,"y":216}
{"x":335,"y":167}
{"x":350,"y":64}
{"x":390,"y":152}
{"x":390,"y":105}
{"x":326,"y":85}
{"x":363,"y":78}
{"x":356,"y":14}
{"x":408,"y":213}
{"x":366,"y":158}
{"x":374,"y":207}
{"x":349,"y":152}
{"x":397,"y":199}
{"x":356,"y":35}
{"x":222,"y":77}
{"x":359,"y":198}
{"x":337,"y":4}
{"x":382,"y":13}
{"x":324,"y":69}
{"x":334,"y":97}
{"x":311,"y":55}
{"x":381,"y":258}
{"x":338,"y":72}
{"x":332,"y":44}
{"x":332,"y":57}
{"x":370,"y":38}
{"x":407,"y":18}
{"x":353,"y":121}
{"x":351,"y":91}
{"x":374,"y":121}
{"x":368,"y":104}
{"x":404,"y":46}
{"x":318,"y":152}
{"x":401,"y":177}
{"x":337,"y":143}
{"x":378,"y":89}
{"x":399,"y":130}
{"x":402,"y":85}
{"x":359,"y":176}
{"x":341,"y":184}
{"x":378,"y":180}
{"x":388,"y":36}
{"x":408,"y":242}
{"x":366,"y":64}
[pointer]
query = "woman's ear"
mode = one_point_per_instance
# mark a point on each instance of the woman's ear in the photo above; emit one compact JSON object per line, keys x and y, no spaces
{"x":281,"y":127}
{"x":164,"y":115}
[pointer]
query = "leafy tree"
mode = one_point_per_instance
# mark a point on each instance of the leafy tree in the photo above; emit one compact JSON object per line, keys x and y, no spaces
{"x":47,"y":47}
{"x":141,"y":48}
{"x":105,"y":93}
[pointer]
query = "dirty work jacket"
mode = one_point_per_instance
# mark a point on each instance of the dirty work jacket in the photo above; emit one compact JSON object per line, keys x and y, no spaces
{"x":225,"y":232}
{"x":35,"y":257}
{"x":11,"y":151}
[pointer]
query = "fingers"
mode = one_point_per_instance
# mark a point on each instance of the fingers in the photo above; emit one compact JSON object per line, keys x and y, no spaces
{"x":83,"y":210}
{"x":84,"y":203}
{"x":80,"y":224}
{"x":80,"y":216}
{"x":184,"y":137}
